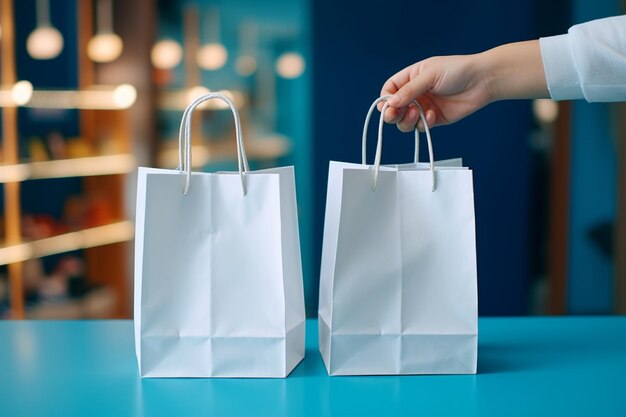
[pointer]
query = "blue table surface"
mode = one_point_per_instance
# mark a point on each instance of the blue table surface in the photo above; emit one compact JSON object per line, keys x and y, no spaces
{"x":568,"y":366}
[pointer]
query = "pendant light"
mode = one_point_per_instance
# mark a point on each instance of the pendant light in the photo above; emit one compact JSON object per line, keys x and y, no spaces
{"x":246,"y":64}
{"x":290,"y":65}
{"x":166,"y":54}
{"x":213,"y":55}
{"x":45,"y":42}
{"x":105,"y":46}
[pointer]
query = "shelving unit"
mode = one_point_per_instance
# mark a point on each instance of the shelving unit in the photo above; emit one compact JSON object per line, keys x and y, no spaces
{"x":103,"y":112}
{"x":64,"y":168}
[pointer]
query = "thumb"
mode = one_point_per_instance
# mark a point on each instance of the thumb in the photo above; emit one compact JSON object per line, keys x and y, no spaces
{"x":410,"y":91}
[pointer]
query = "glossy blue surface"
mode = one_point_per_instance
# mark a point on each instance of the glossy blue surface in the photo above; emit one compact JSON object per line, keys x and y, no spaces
{"x":527,"y":367}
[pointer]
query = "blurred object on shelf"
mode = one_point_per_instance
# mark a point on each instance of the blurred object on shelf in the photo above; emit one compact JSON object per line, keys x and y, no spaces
{"x":56,"y":145}
{"x":40,"y":226}
{"x":97,"y":304}
{"x":79,"y":148}
{"x":99,"y":211}
{"x":64,"y":293}
{"x":75,"y":212}
{"x":87,"y":211}
{"x":53,"y":288}
{"x":162,"y":77}
{"x":109,"y":145}
{"x":34,"y":278}
{"x":37,"y":150}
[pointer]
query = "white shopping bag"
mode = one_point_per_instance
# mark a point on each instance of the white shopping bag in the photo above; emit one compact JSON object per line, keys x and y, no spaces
{"x":218,"y":278}
{"x":398,"y":276}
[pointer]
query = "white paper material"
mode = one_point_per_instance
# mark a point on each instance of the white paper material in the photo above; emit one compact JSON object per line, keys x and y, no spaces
{"x":218,"y":279}
{"x":398,"y":277}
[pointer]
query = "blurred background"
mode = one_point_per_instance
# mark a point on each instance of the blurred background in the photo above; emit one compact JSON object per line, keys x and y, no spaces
{"x":90,"y":89}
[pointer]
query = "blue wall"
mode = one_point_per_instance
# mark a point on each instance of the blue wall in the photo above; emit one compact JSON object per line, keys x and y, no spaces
{"x":357,"y":46}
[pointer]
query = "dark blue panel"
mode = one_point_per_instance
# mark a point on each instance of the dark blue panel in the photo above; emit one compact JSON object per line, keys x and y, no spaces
{"x":357,"y":46}
{"x":593,"y":191}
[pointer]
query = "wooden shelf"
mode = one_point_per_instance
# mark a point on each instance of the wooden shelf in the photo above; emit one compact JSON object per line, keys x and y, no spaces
{"x":96,"y":97}
{"x":64,"y":168}
{"x":122,"y":231}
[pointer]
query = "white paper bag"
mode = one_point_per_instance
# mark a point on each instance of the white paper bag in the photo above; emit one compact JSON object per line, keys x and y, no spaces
{"x":218,"y":278}
{"x":398,"y":276}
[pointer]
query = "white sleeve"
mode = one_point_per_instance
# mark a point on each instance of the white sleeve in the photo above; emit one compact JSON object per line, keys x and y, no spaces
{"x":588,"y":62}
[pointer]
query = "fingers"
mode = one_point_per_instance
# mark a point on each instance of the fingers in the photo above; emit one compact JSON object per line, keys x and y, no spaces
{"x":410,"y":91}
{"x":412,"y":119}
{"x":394,"y":115}
{"x":391,"y":86}
{"x":431,"y":119}
{"x":404,"y":87}
{"x":408,"y":122}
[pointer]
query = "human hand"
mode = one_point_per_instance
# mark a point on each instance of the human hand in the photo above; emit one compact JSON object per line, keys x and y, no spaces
{"x":451,"y":87}
{"x":447,"y":87}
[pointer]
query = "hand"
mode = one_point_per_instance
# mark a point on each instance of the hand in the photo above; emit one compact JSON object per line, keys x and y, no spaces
{"x":451,"y":87}
{"x":447,"y":87}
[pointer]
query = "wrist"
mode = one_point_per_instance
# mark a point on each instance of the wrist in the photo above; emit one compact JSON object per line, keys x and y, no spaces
{"x":487,"y":75}
{"x":514,"y":71}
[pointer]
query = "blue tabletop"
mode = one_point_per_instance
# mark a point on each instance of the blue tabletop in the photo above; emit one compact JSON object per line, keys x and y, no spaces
{"x":569,"y":366}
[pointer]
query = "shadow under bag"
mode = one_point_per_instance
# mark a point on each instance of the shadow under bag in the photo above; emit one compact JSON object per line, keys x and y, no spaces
{"x":218,"y":278}
{"x":398,"y":275}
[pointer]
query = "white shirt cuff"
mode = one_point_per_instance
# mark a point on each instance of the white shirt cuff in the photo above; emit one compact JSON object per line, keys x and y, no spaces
{"x":558,"y":64}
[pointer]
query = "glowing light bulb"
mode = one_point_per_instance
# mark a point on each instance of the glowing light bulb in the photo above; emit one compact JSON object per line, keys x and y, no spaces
{"x":245,"y":65}
{"x":212,"y":56}
{"x":124,"y":96}
{"x":545,"y":110}
{"x":44,"y":43}
{"x":196,"y":92}
{"x":21,"y":92}
{"x":105,"y":47}
{"x":166,"y":54}
{"x":290,"y":65}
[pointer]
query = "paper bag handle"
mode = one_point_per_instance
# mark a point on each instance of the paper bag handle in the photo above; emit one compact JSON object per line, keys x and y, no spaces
{"x":184,"y":139}
{"x":366,"y":125}
{"x":379,"y":145}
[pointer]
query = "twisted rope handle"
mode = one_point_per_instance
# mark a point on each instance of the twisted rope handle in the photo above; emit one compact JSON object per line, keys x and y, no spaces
{"x":184,"y":140}
{"x":366,"y":125}
{"x":379,"y":145}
